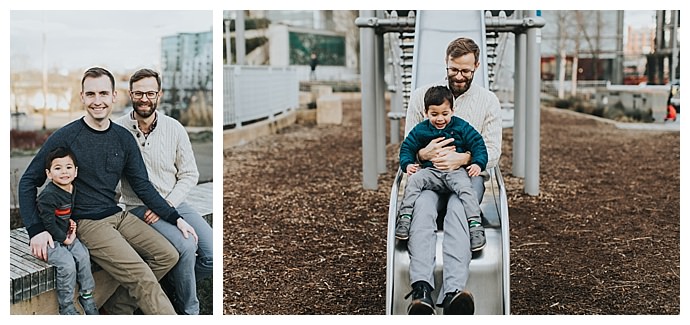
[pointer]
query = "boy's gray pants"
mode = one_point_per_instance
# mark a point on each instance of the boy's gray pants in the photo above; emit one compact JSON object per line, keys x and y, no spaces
{"x":456,"y":181}
{"x":456,"y":240}
{"x":73,"y":268}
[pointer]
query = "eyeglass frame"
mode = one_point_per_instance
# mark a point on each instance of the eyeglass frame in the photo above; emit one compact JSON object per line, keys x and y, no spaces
{"x":462,"y":72}
{"x":142,"y":93}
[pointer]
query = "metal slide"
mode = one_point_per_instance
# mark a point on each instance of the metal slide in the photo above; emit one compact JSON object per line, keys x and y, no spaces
{"x":489,"y":279}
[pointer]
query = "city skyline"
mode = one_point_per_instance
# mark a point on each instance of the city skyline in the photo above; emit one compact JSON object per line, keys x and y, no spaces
{"x":118,"y":40}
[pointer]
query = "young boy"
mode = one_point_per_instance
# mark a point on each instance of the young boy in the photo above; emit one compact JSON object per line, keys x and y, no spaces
{"x":70,"y":256}
{"x":440,"y":122}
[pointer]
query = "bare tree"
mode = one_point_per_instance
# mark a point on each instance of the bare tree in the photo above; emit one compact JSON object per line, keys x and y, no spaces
{"x":562,"y":37}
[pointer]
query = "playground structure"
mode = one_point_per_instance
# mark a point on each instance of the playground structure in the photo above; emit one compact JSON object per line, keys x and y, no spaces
{"x":420,"y":47}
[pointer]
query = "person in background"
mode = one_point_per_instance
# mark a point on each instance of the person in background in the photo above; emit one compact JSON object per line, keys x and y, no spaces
{"x":313,"y":62}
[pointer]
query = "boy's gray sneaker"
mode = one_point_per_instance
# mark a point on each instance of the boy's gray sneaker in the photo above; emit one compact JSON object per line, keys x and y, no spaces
{"x":458,"y":303}
{"x":68,"y":310}
{"x":402,"y":227}
{"x":88,"y":304}
{"x":477,"y":237}
{"x":421,"y":304}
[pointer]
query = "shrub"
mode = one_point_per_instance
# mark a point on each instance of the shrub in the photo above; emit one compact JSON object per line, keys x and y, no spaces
{"x":563,"y":103}
{"x":598,"y":110}
{"x":27,"y":140}
{"x":615,"y":112}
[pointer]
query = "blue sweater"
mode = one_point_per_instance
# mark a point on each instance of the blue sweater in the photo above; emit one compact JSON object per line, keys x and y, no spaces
{"x":466,"y":139}
{"x":103,"y":158}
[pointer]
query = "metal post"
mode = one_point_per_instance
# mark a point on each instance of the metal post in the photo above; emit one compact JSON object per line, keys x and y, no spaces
{"x":519,"y":105}
{"x":674,"y":43}
{"x":380,"y":73}
{"x":239,"y":37}
{"x":532,"y":103}
{"x":228,"y":45}
{"x":396,"y":104}
{"x":44,"y":80}
{"x":619,"y":60}
{"x":367,"y":66}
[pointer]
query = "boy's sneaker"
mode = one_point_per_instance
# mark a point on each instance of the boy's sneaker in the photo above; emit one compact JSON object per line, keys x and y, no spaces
{"x":458,"y":303}
{"x":88,"y":304}
{"x":402,"y":227}
{"x":68,"y":310}
{"x":477,"y":237}
{"x":421,"y":304}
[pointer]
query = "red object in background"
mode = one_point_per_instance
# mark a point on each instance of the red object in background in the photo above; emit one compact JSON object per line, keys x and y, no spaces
{"x":670,"y":113}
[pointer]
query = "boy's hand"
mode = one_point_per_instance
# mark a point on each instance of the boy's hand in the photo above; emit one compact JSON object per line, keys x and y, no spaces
{"x":70,"y":238}
{"x":412,"y":168}
{"x":473,"y":170}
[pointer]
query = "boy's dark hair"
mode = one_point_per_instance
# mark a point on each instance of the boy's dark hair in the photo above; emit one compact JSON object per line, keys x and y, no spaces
{"x":97,"y":72}
{"x":59,"y":152}
{"x":144,"y":73}
{"x":436,"y":95}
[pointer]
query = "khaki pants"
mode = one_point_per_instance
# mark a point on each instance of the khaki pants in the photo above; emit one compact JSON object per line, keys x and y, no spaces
{"x":136,"y":256}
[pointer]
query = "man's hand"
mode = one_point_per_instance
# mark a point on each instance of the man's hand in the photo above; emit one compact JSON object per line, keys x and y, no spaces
{"x":434,"y":148}
{"x":450,"y":160}
{"x":473,"y":170}
{"x":150,"y":217}
{"x":187,"y":229}
{"x":412,"y":168}
{"x":39,"y":245}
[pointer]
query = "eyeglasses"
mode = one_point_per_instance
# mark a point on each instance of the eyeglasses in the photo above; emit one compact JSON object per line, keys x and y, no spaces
{"x":140,"y":94}
{"x":467,"y":73}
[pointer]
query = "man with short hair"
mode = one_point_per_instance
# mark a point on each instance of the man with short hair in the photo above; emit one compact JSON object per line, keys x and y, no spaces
{"x":481,"y":109}
{"x":134,"y":254}
{"x":169,"y":160}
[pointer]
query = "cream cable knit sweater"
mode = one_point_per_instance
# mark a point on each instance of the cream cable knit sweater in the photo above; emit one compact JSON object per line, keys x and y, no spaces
{"x":478,"y":106}
{"x":168,"y":157}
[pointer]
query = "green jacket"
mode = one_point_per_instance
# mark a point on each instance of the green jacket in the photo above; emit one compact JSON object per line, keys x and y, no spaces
{"x":466,"y":139}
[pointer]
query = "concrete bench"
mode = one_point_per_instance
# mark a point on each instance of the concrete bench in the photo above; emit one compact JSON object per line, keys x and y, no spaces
{"x":32,"y":281}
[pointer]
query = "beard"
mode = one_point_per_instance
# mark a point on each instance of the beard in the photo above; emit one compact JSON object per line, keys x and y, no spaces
{"x":144,"y":112}
{"x":457,"y":89}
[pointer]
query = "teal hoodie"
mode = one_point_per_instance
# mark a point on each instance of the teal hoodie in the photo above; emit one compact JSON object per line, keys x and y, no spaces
{"x":466,"y":139}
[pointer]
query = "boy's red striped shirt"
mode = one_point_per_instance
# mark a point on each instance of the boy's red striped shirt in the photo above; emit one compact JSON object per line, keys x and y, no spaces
{"x":63,"y":211}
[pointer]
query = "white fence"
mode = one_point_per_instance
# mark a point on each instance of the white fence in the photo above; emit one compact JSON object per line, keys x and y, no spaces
{"x":252,"y":93}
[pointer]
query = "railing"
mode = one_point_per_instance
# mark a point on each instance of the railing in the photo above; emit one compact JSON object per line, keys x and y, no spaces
{"x":257,"y":93}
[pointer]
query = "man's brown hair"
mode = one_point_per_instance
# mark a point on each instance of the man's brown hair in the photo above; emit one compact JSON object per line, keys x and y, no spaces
{"x":461,"y":46}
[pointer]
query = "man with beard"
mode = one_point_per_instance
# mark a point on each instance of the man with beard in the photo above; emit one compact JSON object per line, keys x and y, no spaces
{"x":132,"y":253}
{"x":481,"y":109}
{"x":169,"y":160}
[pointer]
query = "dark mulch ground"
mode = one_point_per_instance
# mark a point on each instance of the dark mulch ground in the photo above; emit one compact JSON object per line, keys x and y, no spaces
{"x":301,"y":236}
